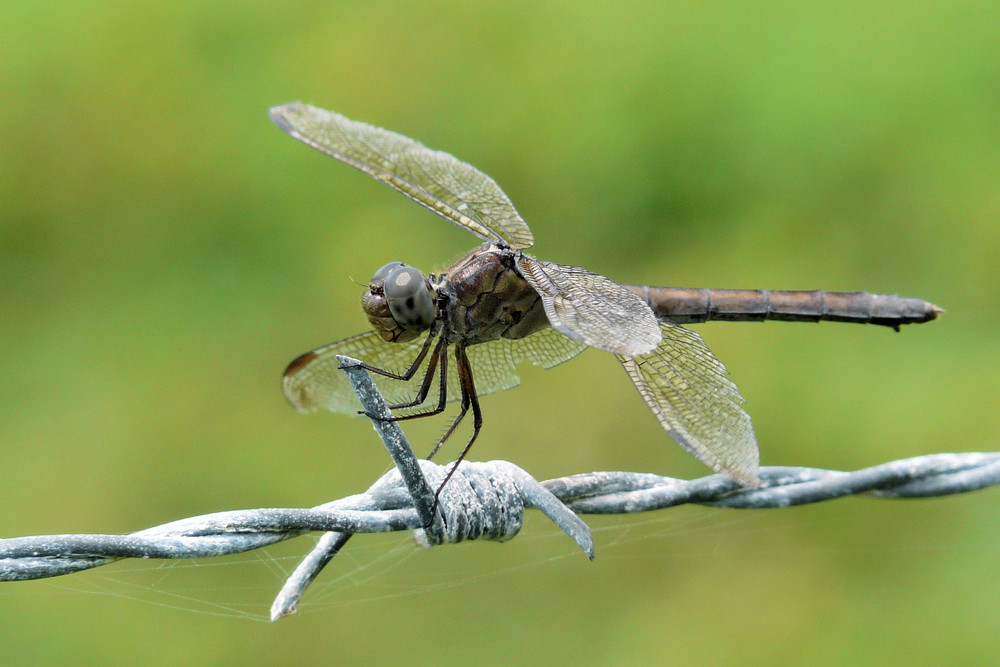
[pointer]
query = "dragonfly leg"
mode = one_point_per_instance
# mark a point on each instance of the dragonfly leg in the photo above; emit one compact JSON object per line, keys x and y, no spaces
{"x":409,"y":372}
{"x":469,"y":399}
{"x":440,"y":352}
{"x":425,"y":384}
{"x":464,"y":380}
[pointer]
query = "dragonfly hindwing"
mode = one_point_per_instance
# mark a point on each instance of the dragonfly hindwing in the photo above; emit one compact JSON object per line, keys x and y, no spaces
{"x":686,"y":387}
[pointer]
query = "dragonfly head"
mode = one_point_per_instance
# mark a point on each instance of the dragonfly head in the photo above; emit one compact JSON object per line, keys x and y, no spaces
{"x":399,"y":302}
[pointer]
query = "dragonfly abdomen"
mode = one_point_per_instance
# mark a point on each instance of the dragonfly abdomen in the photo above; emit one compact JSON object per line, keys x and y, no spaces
{"x":683,"y":305}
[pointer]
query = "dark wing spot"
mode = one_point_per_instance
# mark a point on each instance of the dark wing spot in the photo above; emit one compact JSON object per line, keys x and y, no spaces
{"x":298,"y":363}
{"x":409,"y":303}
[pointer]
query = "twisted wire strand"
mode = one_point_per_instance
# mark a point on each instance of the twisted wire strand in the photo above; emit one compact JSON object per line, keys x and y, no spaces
{"x":487,"y":501}
{"x":481,"y":501}
{"x":780,"y":486}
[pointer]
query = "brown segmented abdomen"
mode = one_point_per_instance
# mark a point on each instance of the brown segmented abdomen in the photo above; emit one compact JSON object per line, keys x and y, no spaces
{"x":684,"y":305}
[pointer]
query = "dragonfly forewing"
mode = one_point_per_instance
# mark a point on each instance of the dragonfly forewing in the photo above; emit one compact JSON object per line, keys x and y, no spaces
{"x":453,"y":189}
{"x":686,"y":388}
{"x":592,"y":309}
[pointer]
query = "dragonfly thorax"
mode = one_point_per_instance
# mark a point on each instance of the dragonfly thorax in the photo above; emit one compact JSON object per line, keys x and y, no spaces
{"x":399,"y":302}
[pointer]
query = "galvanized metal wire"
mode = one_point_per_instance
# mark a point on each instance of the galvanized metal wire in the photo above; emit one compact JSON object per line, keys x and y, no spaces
{"x":481,"y":501}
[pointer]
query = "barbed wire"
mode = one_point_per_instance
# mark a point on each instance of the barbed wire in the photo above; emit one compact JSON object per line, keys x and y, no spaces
{"x":482,"y":500}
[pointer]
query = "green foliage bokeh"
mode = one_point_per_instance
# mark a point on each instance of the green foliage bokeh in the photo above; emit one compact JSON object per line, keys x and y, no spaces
{"x":165,"y":251}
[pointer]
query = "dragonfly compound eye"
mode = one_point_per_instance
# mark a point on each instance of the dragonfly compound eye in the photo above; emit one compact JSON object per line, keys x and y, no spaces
{"x":383,"y":273}
{"x":409,"y":297}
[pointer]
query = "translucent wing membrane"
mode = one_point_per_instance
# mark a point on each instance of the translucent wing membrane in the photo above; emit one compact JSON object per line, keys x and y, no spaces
{"x":313,"y":381}
{"x":686,"y":387}
{"x":592,"y":309}
{"x":493,"y":363}
{"x":451,"y":188}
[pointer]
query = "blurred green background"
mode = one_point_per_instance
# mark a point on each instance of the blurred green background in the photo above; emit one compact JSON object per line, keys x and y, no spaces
{"x":166,"y":251}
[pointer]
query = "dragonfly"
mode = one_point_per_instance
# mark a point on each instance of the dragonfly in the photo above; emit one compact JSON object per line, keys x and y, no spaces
{"x":498,"y":307}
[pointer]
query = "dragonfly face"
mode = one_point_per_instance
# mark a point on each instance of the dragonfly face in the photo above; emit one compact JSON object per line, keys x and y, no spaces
{"x":399,"y":303}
